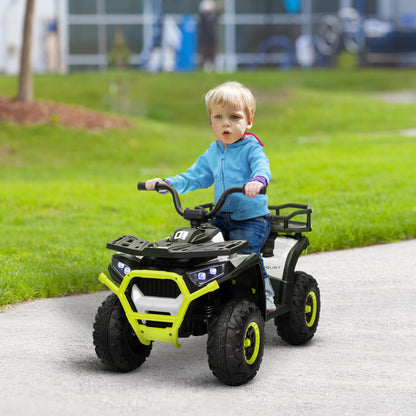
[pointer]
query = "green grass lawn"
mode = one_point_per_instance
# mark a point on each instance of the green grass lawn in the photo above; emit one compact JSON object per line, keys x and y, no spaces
{"x":64,"y":193}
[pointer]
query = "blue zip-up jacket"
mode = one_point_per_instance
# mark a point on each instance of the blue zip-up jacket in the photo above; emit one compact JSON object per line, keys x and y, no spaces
{"x":235,"y":165}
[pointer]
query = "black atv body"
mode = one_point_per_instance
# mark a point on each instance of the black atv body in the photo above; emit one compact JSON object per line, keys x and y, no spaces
{"x":194,"y":283}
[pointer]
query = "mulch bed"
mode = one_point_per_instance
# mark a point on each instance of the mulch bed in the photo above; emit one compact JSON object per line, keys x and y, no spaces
{"x":42,"y":112}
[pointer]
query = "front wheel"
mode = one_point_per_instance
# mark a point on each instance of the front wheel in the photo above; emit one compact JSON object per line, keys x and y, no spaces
{"x":299,"y":325}
{"x":236,"y":342}
{"x":116,"y":344}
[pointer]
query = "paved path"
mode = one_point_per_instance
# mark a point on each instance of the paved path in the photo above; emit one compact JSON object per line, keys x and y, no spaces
{"x":362,"y":360}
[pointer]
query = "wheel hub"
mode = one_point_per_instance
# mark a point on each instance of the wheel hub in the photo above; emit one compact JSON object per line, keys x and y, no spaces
{"x":310,"y":309}
{"x":251,"y":343}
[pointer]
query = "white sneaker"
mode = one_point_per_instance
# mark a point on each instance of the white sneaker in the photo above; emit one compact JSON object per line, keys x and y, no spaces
{"x":270,"y":306}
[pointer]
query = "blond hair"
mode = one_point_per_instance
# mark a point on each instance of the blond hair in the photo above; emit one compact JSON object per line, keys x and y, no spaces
{"x":234,"y":94}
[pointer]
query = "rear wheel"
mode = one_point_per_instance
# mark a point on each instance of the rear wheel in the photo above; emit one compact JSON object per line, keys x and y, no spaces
{"x":236,"y":342}
{"x":116,"y":344}
{"x":299,"y":325}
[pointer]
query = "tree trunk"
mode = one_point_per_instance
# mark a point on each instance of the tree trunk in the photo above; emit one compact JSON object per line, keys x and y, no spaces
{"x":25,"y":93}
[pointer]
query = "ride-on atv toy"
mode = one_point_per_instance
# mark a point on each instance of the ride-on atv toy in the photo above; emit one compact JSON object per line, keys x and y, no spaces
{"x":194,"y":283}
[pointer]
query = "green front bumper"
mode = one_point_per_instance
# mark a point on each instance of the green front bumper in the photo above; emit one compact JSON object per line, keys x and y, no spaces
{"x":148,"y":334}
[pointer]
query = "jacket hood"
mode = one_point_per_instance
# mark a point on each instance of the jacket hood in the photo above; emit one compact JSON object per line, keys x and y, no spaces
{"x":246,"y":139}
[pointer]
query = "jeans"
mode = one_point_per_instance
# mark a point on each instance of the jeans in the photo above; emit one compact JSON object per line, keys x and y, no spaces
{"x":254,"y":230}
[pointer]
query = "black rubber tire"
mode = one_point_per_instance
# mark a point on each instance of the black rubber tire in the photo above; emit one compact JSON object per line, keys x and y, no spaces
{"x":299,"y":325}
{"x":116,"y":344}
{"x":236,"y":342}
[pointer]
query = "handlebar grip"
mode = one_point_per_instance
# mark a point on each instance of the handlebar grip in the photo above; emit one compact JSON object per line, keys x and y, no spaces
{"x":263,"y":190}
{"x":141,"y":186}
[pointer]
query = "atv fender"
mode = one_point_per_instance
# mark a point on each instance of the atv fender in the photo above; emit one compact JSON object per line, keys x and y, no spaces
{"x":245,"y":281}
{"x":281,"y":267}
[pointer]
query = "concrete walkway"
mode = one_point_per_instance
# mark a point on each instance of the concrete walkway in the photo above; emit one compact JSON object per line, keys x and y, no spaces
{"x":362,"y":360}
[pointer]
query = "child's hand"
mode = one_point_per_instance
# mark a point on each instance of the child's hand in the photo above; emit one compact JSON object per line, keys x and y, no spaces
{"x":150,"y":183}
{"x":253,"y":188}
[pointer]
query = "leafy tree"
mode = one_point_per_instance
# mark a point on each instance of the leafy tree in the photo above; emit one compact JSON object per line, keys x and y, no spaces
{"x":119,"y":55}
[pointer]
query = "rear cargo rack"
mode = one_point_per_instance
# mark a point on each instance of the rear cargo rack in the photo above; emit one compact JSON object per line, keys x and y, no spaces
{"x":286,"y":224}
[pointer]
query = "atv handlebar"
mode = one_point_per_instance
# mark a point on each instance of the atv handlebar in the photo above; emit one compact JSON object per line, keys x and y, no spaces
{"x":226,"y":194}
{"x":141,"y":186}
{"x":199,"y":214}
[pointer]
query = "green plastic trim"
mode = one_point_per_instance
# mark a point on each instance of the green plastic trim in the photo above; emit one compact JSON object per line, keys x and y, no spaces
{"x":310,"y":309}
{"x":251,"y":352}
{"x":148,"y":334}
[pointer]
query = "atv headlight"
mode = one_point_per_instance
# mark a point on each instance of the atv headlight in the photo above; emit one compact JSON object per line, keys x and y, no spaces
{"x":122,"y":268}
{"x":202,"y":276}
{"x":121,"y":265}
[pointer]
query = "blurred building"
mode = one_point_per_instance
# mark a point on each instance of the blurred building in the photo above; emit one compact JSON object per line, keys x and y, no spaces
{"x":48,"y":36}
{"x":78,"y":34}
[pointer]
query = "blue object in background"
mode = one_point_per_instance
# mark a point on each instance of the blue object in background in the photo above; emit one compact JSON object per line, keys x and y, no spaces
{"x":292,"y":6}
{"x":186,"y":55}
{"x":52,"y":26}
{"x":276,"y":41}
{"x":157,"y":23}
{"x":407,"y":21}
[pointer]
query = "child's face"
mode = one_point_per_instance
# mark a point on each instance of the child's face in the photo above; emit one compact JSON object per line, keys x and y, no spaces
{"x":228,"y":123}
